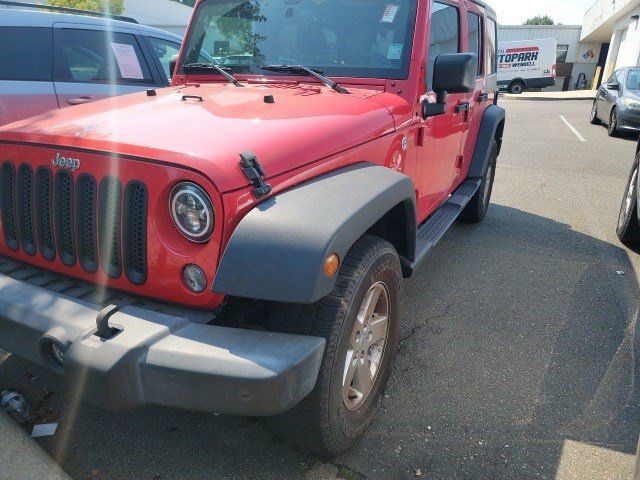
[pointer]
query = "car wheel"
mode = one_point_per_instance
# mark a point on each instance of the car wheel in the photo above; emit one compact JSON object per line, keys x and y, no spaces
{"x":476,"y":209}
{"x":613,"y":123}
{"x":594,"y":114}
{"x":516,"y":88}
{"x":360,"y":321}
{"x":628,"y":229}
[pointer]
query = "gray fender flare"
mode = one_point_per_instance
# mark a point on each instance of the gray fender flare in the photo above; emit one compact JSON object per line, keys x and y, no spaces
{"x":491,"y":130}
{"x":278,"y":249}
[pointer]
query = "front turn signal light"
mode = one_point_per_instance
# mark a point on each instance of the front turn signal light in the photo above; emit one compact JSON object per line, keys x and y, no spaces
{"x":331,"y":265}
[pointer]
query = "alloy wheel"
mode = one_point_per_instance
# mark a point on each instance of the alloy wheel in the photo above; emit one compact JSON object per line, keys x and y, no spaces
{"x":488,"y":186}
{"x":627,"y":205}
{"x":366,"y":346}
{"x":613,"y":122}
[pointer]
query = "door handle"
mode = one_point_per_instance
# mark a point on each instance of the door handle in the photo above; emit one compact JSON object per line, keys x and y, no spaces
{"x":79,"y":100}
{"x":463,"y":107}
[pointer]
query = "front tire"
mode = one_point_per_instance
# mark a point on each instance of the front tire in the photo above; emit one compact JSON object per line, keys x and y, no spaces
{"x":476,"y":209}
{"x":360,"y":320}
{"x":594,"y":114}
{"x":612,"y":128}
{"x":628,"y":228}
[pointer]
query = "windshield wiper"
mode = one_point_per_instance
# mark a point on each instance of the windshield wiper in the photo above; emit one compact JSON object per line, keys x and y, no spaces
{"x":215,"y":68}
{"x":304,"y":70}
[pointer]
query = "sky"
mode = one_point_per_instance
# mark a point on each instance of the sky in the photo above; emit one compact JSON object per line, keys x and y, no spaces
{"x":515,"y":12}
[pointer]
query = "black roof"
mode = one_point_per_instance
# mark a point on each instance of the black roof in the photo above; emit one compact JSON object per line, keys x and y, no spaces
{"x":484,"y":5}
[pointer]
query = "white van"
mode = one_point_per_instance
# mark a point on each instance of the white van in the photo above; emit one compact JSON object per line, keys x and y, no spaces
{"x":527,"y":64}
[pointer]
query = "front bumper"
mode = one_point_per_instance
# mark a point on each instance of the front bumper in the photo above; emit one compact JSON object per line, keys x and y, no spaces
{"x":157,"y":358}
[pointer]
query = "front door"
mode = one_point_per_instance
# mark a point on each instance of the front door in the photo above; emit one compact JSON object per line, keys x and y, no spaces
{"x":439,"y":153}
{"x":608,"y":97}
{"x":90,"y":64}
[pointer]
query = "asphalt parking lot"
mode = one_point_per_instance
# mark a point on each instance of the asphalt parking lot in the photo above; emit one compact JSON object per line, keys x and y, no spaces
{"x":516,"y":359}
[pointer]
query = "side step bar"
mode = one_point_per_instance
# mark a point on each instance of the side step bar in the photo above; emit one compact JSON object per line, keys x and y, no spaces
{"x":430,"y":233}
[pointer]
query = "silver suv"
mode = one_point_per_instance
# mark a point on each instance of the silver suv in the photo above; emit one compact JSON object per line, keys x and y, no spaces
{"x":52,"y":60}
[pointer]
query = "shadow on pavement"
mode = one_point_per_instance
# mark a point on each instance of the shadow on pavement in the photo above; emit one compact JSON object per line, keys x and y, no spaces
{"x":518,"y":334}
{"x":521,"y":335}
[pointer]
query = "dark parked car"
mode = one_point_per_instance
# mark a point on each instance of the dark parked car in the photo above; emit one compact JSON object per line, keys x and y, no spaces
{"x":51,"y":60}
{"x":617,"y":103}
{"x":629,"y":221}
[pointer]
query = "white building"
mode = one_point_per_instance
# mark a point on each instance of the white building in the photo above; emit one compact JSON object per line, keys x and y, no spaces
{"x":615,"y":23}
{"x":576,"y":60}
{"x":168,"y":15}
{"x":165,"y":14}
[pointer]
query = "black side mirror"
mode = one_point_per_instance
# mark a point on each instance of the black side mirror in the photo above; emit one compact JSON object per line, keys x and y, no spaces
{"x":172,"y":65}
{"x":455,"y":73}
{"x":452,"y":73}
{"x":613,"y":86}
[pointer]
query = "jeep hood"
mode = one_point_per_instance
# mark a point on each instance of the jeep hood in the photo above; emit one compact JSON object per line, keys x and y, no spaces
{"x":206,"y":127}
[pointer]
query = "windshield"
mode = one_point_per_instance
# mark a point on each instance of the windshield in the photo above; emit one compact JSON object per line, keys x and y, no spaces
{"x":350,"y":38}
{"x":633,"y":79}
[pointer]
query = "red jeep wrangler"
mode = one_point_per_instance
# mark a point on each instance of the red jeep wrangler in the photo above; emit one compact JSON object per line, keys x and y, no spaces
{"x":236,"y":243}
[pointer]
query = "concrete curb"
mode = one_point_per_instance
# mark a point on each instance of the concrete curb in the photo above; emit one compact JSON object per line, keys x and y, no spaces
{"x":21,"y":457}
{"x":551,"y":97}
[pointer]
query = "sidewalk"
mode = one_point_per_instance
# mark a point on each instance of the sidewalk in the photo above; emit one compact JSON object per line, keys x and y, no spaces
{"x":21,"y":458}
{"x":572,"y":95}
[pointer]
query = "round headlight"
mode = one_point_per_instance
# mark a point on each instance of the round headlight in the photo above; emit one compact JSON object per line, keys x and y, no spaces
{"x":192,"y":211}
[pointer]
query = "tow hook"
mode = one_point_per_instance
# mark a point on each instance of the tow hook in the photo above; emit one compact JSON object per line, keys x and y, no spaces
{"x":105,"y":331}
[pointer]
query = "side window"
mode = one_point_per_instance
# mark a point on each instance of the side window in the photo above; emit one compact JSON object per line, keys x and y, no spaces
{"x":93,"y":56}
{"x":444,"y":35}
{"x":164,"y":50}
{"x":491,"y":58}
{"x":474,"y":35}
{"x":25,"y":53}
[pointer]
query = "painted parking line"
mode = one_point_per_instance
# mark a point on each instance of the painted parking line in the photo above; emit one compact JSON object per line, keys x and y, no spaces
{"x":573,"y":129}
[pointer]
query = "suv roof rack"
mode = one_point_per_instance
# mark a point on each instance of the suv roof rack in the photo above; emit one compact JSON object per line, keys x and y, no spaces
{"x":75,"y":11}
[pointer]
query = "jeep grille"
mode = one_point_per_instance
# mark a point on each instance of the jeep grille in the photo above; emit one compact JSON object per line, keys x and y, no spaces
{"x":79,"y":221}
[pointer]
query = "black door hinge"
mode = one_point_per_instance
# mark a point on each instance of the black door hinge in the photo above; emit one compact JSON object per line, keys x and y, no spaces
{"x":254,"y":173}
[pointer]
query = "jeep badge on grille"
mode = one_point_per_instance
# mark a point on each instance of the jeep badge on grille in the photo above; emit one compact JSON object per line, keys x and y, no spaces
{"x":72,"y":164}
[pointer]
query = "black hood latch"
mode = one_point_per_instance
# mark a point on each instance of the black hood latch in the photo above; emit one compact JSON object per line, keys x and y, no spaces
{"x":254,"y":173}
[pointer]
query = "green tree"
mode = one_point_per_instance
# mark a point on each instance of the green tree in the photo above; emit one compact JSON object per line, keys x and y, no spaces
{"x":540,"y":20}
{"x":114,"y":7}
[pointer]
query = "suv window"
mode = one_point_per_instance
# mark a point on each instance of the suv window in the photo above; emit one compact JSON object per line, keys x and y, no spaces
{"x":444,"y":35}
{"x":25,"y":53}
{"x":352,"y":38}
{"x":164,"y":50}
{"x":491,"y":58}
{"x":474,"y":35}
{"x":92,"y":56}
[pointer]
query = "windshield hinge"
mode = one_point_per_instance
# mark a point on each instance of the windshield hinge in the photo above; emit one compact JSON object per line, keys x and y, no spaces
{"x":254,"y":173}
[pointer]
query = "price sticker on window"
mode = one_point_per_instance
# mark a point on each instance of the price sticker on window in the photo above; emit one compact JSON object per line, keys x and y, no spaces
{"x":394,"y":52}
{"x":390,"y":13}
{"x":127,"y":60}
